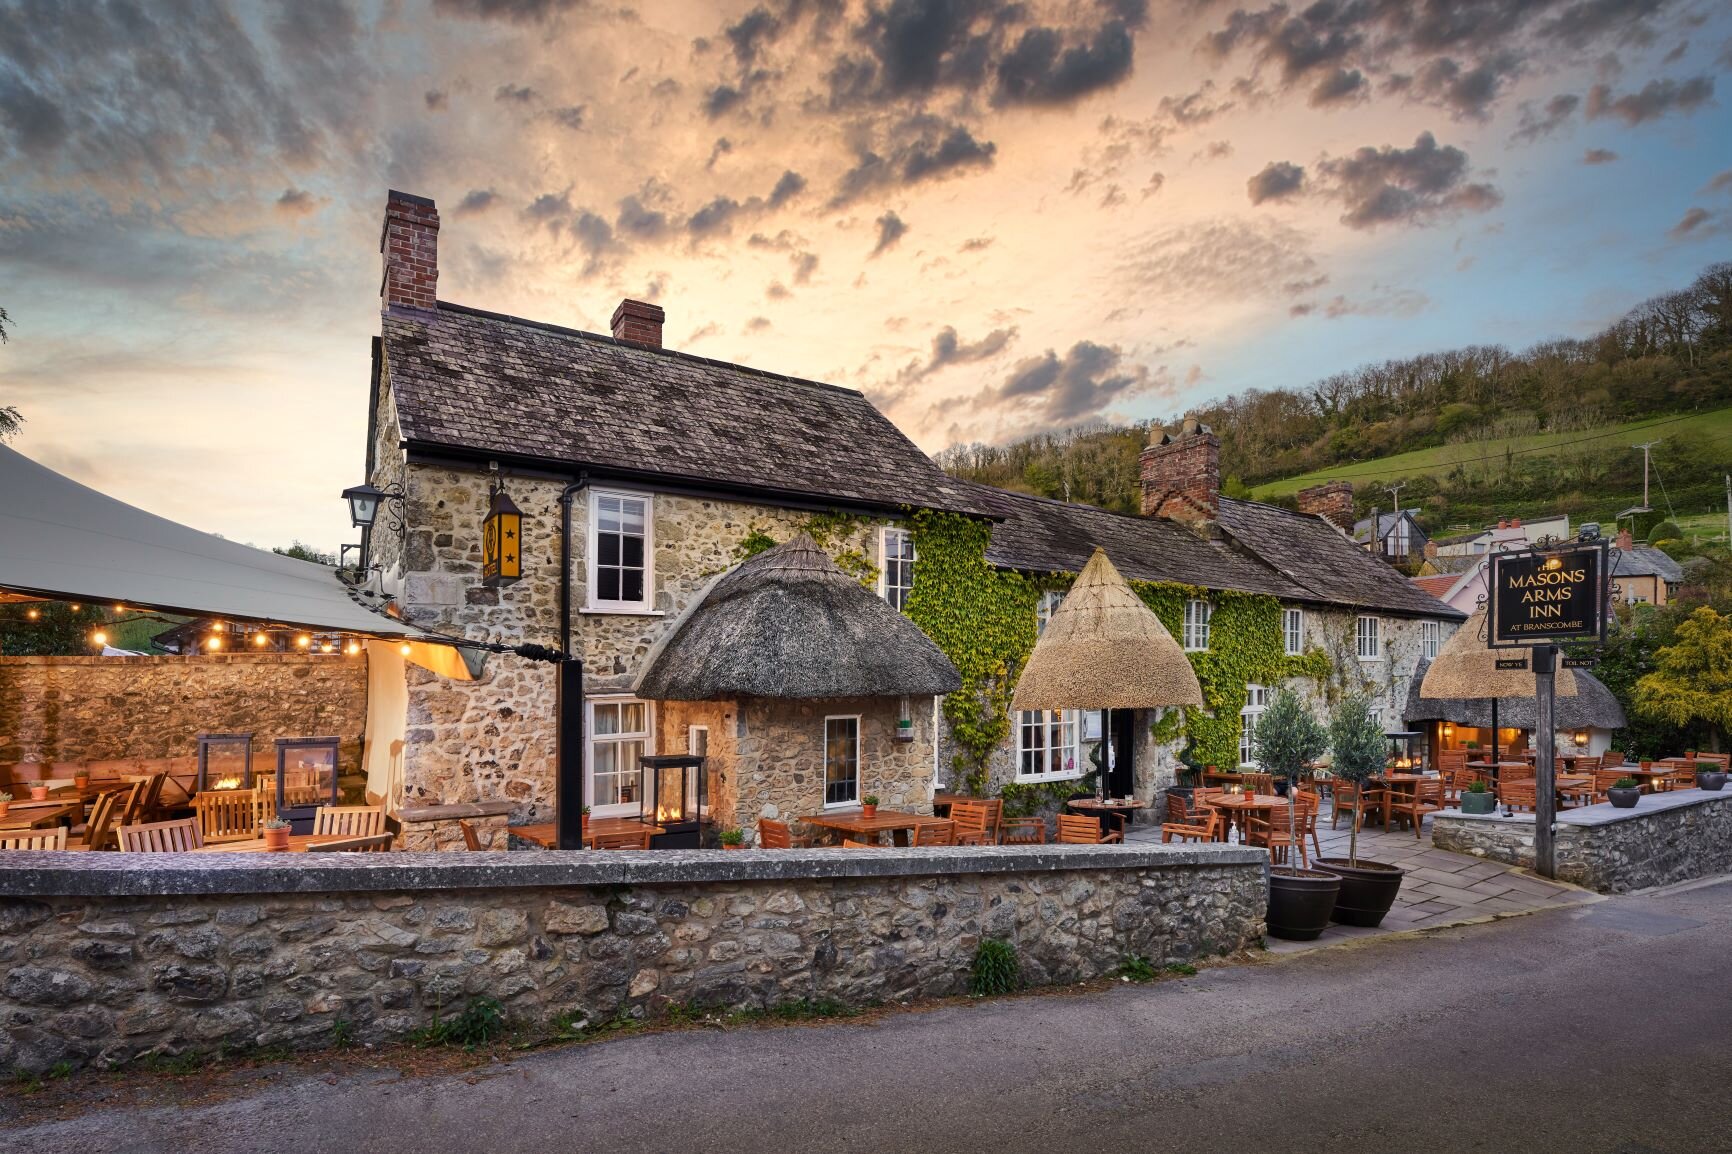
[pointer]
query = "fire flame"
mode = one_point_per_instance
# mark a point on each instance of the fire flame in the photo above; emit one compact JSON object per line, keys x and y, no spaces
{"x":666,"y":812}
{"x":227,"y":783}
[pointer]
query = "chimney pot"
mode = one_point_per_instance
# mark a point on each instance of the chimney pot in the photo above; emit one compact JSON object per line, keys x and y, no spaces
{"x":638,"y":322}
{"x":1181,"y":474}
{"x":1332,"y":501}
{"x":410,"y":243}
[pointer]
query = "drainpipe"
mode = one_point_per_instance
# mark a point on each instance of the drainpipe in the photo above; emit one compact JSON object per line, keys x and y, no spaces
{"x":569,"y":779}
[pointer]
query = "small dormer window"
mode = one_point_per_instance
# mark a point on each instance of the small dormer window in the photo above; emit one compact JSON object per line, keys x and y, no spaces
{"x":1197,"y":615}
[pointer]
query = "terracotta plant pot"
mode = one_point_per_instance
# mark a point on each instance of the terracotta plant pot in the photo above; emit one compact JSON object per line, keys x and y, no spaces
{"x":1367,"y":890}
{"x":1711,"y":781}
{"x":741,"y":845}
{"x":1625,"y":798}
{"x":38,"y":793}
{"x":277,"y":838}
{"x":1300,"y":902}
{"x":868,"y":811}
{"x":1479,"y":802}
{"x":5,"y":808}
{"x":82,"y":781}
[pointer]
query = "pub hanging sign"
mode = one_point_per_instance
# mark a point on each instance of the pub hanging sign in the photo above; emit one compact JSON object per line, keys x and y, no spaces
{"x":1549,"y":596}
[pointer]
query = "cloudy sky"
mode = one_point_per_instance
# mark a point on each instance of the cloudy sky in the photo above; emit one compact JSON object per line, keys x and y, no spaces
{"x":994,"y":218}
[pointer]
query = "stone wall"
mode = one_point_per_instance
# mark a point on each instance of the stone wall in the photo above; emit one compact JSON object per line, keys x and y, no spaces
{"x":1667,"y":838}
{"x":108,"y":708}
{"x":103,"y":960}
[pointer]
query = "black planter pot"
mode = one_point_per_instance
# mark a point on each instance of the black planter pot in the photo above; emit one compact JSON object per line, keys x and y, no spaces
{"x":1367,"y":890}
{"x":1624,"y":798}
{"x":1299,"y":906}
{"x":1711,"y":781}
{"x":1478,"y":802}
{"x":1281,"y":786}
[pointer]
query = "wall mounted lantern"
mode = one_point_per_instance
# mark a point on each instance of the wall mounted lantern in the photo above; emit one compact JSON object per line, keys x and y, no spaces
{"x":501,"y":541}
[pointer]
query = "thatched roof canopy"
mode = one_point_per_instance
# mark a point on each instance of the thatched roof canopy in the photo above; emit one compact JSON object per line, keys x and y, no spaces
{"x":1593,"y":707}
{"x":1105,"y":649}
{"x":1465,"y":668}
{"x":789,"y":623}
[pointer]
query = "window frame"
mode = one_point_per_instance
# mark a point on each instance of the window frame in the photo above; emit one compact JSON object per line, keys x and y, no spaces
{"x":1430,"y":639}
{"x":1360,"y":633}
{"x":854,"y":802}
{"x":1292,"y":631}
{"x":885,"y":534}
{"x":1044,"y":607}
{"x":1064,"y":721}
{"x":591,"y":738}
{"x":593,"y":602}
{"x":1256,"y":702}
{"x":1203,"y":627}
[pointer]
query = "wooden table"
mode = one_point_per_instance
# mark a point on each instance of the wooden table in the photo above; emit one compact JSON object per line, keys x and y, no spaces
{"x":546,"y":834}
{"x":41,"y":814}
{"x":1123,"y":812}
{"x":942,"y":801}
{"x":1237,"y":805}
{"x":1650,"y":779}
{"x":298,"y":843}
{"x":852,"y":823}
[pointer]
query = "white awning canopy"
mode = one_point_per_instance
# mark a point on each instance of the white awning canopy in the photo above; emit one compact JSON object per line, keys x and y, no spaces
{"x":63,"y":540}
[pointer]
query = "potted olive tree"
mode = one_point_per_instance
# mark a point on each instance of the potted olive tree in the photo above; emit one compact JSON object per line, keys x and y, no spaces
{"x":1300,"y":900}
{"x":1625,"y":793}
{"x":1368,"y":888}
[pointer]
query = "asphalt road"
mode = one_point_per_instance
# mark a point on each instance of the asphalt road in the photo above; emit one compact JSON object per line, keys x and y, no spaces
{"x":1604,"y":1028}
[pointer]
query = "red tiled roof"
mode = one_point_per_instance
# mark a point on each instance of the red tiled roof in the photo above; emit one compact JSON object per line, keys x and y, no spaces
{"x":1438,"y":585}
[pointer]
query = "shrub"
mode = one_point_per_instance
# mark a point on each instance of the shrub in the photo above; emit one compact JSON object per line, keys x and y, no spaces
{"x":1476,"y":787}
{"x":1625,"y":783}
{"x":1136,"y":968}
{"x":732,"y":837}
{"x":869,"y":799}
{"x":994,"y":970}
{"x":481,"y":1021}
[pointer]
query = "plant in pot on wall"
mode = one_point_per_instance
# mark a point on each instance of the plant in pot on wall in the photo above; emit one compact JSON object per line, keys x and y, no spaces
{"x":276,"y":833}
{"x":1286,"y":738}
{"x":1368,"y":888}
{"x":733,"y":839}
{"x":1709,"y":775}
{"x":1476,"y":798}
{"x":5,"y":803}
{"x":1625,"y":793}
{"x":869,"y":805}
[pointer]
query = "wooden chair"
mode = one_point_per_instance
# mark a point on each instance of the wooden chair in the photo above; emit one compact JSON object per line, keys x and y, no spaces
{"x":1272,"y":830}
{"x":176,"y":836}
{"x":1611,"y":757}
{"x":1518,"y":793}
{"x":1604,"y":779}
{"x":376,"y":843}
{"x":1076,"y":829}
{"x":226,"y":815}
{"x":779,"y":835}
{"x":151,"y":806}
{"x":1516,"y":772}
{"x":975,"y":820}
{"x":1205,"y":827}
{"x":1451,"y":759}
{"x":132,"y":812}
{"x":349,"y":821}
{"x":1263,"y":783}
{"x":1371,"y":803}
{"x":1022,"y":831}
{"x":99,"y":827}
{"x":470,"y":841}
{"x":1426,"y":797}
{"x":1195,"y":814}
{"x":624,"y":839}
{"x":850,"y":843}
{"x":1723,"y":760}
{"x":33,"y":838}
{"x":1310,"y":805}
{"x":934,"y":833}
{"x":1683,"y":776}
{"x":1455,"y":783}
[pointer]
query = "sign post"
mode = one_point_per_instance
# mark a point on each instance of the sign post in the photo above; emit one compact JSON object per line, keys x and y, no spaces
{"x":1540,"y":597}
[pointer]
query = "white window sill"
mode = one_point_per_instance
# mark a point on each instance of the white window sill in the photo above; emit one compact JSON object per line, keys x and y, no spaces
{"x":1038,"y":778}
{"x":830,"y":805}
{"x":620,"y":611}
{"x":1196,"y":648}
{"x":1370,"y":659}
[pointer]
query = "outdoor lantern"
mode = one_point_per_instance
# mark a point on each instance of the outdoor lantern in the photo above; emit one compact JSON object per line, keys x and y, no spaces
{"x":1581,"y":737}
{"x":363,"y":504}
{"x":225,"y":761}
{"x":306,"y":778}
{"x":672,"y":797}
{"x":501,"y":536}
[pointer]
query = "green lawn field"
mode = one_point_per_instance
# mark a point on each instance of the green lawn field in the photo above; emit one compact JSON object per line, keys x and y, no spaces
{"x":1716,"y":425}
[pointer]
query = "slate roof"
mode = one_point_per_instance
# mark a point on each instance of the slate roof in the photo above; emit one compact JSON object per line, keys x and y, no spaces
{"x":482,"y":382}
{"x":1293,"y":556}
{"x":1645,"y":561}
{"x":1313,"y":554}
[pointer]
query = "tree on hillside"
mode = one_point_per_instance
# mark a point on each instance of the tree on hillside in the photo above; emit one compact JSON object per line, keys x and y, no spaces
{"x":302,"y":552}
{"x":10,"y":418}
{"x":4,"y":321}
{"x":1693,"y":678}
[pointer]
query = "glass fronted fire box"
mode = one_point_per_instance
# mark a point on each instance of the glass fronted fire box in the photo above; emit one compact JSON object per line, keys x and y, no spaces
{"x":306,"y":778}
{"x":672,"y":797}
{"x":225,"y":761}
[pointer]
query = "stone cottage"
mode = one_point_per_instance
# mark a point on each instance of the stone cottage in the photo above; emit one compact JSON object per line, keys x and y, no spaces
{"x":651,"y":472}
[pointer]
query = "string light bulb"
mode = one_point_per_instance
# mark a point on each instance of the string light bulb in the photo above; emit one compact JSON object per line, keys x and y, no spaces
{"x":354,"y":648}
{"x":213,"y":642}
{"x":99,"y":638}
{"x":260,"y":639}
{"x":404,"y":649}
{"x":216,"y":627}
{"x":33,"y":614}
{"x":303,"y":641}
{"x":76,"y":608}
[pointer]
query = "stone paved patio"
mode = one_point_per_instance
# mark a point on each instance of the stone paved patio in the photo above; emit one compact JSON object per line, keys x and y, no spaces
{"x":1440,"y":889}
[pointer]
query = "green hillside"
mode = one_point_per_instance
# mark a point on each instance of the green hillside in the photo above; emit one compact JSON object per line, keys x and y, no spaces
{"x":1714,"y":428}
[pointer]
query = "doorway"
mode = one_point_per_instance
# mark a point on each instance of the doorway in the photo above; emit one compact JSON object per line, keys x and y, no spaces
{"x":1120,"y":779}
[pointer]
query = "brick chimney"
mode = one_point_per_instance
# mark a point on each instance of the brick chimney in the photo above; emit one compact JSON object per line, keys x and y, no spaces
{"x":1430,"y":549}
{"x":1182,"y":475}
{"x":1332,"y":501}
{"x":1625,"y":542}
{"x":410,"y":243}
{"x":639,"y":322}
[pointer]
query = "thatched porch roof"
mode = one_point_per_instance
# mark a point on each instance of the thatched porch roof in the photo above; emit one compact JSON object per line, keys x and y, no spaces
{"x":1593,"y":707}
{"x":1466,"y":668}
{"x":789,"y":623}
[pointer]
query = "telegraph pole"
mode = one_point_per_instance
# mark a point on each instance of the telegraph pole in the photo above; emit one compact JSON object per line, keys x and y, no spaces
{"x":1645,"y":447}
{"x":1729,"y":510}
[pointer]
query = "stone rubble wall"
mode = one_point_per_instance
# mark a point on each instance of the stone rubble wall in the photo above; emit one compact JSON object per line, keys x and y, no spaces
{"x":104,"y":979}
{"x":107,"y":708}
{"x":1651,"y":849}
